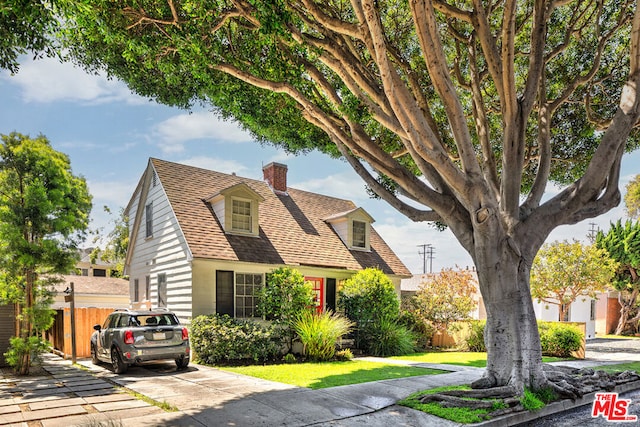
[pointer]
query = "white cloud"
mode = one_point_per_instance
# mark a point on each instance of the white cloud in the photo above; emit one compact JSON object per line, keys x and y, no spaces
{"x":344,"y":185}
{"x":110,"y":193}
{"x":48,"y":80}
{"x":174,"y":132}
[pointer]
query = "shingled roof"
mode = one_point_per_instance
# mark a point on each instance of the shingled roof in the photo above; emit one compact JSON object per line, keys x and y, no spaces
{"x":293,"y":228}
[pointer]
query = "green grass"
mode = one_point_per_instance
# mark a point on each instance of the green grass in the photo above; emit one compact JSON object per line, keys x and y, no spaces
{"x":459,"y":415}
{"x":329,"y":374}
{"x":464,"y":358}
{"x":620,"y":367}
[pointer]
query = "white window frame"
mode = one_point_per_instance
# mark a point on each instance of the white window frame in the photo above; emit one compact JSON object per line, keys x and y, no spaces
{"x":245,"y":218}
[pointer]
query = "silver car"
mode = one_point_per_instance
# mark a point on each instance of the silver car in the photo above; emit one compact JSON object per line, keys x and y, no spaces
{"x":133,"y":336}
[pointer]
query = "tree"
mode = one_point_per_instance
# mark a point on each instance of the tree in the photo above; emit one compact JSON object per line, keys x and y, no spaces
{"x":562,"y":272}
{"x":25,"y":26}
{"x":448,"y":111}
{"x":445,"y":298}
{"x":43,"y":210}
{"x":632,"y":198}
{"x":113,"y":247}
{"x":622,"y":242}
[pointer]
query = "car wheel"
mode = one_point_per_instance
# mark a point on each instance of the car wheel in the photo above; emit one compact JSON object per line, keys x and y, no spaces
{"x":94,"y":355}
{"x":119,"y":367}
{"x":182,"y":362}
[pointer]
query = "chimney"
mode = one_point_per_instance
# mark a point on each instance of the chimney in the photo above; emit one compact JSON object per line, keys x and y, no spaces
{"x":275,"y":174}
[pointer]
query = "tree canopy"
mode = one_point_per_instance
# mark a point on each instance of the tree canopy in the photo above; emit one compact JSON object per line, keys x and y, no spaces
{"x":565,"y":271}
{"x":632,"y":198}
{"x":449,"y":111}
{"x":26,"y":26}
{"x":44,"y":210}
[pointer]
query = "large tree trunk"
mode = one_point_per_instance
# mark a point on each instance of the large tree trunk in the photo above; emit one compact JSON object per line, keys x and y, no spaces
{"x":514,"y":356}
{"x":627,"y":305}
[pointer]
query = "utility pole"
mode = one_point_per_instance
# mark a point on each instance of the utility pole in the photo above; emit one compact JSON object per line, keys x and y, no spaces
{"x":593,"y":232}
{"x":427,"y":253}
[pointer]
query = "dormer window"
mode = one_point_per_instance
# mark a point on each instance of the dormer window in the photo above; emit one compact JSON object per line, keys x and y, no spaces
{"x":236,"y":208}
{"x":353,"y":227}
{"x":241,"y":215}
{"x":359,"y":234}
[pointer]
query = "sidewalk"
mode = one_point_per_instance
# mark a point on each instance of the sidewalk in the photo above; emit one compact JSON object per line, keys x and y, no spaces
{"x":67,"y":395}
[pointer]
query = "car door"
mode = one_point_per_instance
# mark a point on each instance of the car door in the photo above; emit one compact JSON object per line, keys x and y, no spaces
{"x":105,"y":336}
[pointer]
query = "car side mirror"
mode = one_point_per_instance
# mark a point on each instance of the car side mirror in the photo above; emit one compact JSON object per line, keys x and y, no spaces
{"x":97,"y":327}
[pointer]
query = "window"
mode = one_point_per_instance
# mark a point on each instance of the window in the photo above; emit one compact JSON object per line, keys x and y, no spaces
{"x":592,"y":314}
{"x":247,"y":285}
{"x":85,"y":272}
{"x":359,"y":234}
{"x":241,"y":215}
{"x":136,"y":291}
{"x":566,"y":308}
{"x":224,"y":292}
{"x":148,"y":212}
{"x":147,"y":288}
{"x":99,"y":272}
{"x":162,"y":290}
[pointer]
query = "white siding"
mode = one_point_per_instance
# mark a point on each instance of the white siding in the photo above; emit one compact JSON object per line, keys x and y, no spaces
{"x":165,"y":252}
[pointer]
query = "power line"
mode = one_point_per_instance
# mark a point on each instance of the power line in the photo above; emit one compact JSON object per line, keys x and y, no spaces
{"x":427,"y":253}
{"x":593,"y":232}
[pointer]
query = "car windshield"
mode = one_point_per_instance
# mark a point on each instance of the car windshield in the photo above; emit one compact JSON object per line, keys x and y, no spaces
{"x":154,"y":320}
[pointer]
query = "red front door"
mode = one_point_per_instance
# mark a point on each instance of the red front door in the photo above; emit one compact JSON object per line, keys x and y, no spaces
{"x":318,"y":290}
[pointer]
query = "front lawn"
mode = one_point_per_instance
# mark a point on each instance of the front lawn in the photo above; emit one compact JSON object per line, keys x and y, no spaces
{"x":620,"y":367}
{"x":464,"y":358}
{"x":329,"y":374}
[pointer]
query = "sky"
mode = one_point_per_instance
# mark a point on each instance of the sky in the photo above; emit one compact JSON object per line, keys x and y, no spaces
{"x":109,"y":134}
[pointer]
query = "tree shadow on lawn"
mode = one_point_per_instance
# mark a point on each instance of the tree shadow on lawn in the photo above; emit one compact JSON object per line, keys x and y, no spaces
{"x":382,"y":373}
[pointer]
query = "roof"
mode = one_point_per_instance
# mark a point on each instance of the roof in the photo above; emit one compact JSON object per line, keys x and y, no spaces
{"x":94,"y":285}
{"x":293,"y":230}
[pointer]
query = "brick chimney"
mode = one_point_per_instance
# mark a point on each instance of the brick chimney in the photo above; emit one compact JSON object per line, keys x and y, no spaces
{"x":275,"y":174}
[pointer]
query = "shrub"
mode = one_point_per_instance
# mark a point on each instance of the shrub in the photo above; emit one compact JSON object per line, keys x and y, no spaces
{"x":386,"y":337}
{"x":344,"y":354}
{"x":284,"y":297}
{"x":320,"y":333}
{"x":558,"y":339}
{"x":422,"y":330}
{"x":18,"y":347}
{"x":367,"y":296}
{"x":475,"y":340}
{"x":289,"y":358}
{"x":216,"y":338}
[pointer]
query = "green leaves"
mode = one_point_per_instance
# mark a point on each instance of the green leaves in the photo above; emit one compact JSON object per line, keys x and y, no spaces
{"x":564,"y":271}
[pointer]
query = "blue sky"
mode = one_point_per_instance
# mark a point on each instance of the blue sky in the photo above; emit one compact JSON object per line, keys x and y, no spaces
{"x":109,"y":134}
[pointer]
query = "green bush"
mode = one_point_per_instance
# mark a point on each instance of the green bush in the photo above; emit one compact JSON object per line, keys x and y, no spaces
{"x":422,"y":330}
{"x":284,"y":297}
{"x":345,"y":354}
{"x":367,"y":296}
{"x":18,"y":347}
{"x":320,"y":333}
{"x":558,"y":339}
{"x":475,"y":340}
{"x":216,"y":338}
{"x":386,"y":337}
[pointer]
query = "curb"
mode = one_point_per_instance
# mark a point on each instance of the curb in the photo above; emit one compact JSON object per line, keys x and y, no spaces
{"x":552,"y":408}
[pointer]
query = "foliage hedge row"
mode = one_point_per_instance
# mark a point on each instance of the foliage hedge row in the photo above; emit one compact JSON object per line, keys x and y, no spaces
{"x":556,"y":339}
{"x":220,"y":338}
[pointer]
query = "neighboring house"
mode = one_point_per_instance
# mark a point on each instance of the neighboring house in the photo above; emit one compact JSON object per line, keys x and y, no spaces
{"x":99,"y":292}
{"x":599,"y":315}
{"x":97,"y":268}
{"x":202,"y":242}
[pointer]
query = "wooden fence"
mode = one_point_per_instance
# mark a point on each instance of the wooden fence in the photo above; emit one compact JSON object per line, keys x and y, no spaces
{"x":85,"y":318}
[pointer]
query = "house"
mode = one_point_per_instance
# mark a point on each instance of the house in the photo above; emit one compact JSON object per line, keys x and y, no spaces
{"x":93,"y":267}
{"x":201,"y":241}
